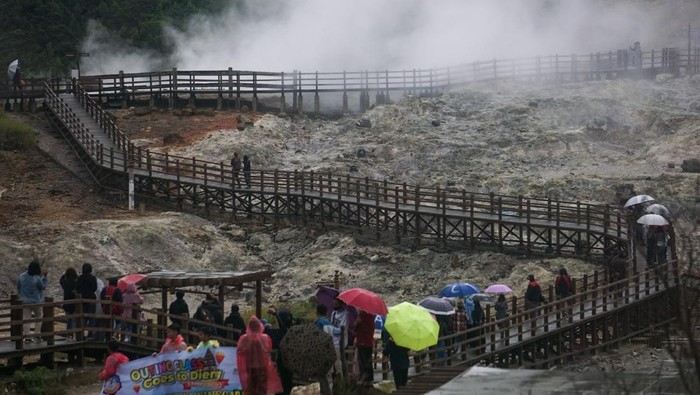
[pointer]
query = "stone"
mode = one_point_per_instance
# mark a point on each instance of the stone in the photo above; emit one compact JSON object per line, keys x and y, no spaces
{"x":662,"y":78}
{"x":244,"y":119}
{"x":245,"y":109}
{"x":671,"y":165}
{"x":353,"y":169}
{"x":173,"y":138}
{"x":363,"y":123}
{"x":361,"y":153}
{"x":435,"y":122}
{"x":141,"y":111}
{"x":691,"y":165}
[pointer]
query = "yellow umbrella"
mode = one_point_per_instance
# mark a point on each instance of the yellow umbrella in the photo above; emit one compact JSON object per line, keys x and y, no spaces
{"x":412,"y":326}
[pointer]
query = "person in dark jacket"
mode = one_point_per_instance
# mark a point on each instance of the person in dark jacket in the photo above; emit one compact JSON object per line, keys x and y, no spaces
{"x":68,"y":282}
{"x":236,"y":323}
{"x":398,"y":359}
{"x":86,"y":286}
{"x":477,"y":320}
{"x":533,"y":293}
{"x":179,"y":307}
{"x":562,"y":284}
{"x":285,"y":320}
{"x":209,"y":311}
{"x":246,"y":170}
{"x":501,"y":307}
{"x":236,"y":168}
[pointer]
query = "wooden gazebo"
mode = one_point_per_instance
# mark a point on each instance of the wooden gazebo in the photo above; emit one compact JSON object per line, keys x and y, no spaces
{"x":169,"y":281}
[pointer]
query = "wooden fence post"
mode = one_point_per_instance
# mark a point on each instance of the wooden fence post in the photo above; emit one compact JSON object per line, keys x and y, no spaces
{"x":16,"y":321}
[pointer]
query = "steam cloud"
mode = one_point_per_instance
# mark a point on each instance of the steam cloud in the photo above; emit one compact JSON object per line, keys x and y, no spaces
{"x":334,"y":35}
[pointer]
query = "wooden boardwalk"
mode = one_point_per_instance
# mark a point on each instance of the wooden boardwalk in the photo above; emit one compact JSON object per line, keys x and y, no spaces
{"x":533,"y":226}
{"x":603,"y":313}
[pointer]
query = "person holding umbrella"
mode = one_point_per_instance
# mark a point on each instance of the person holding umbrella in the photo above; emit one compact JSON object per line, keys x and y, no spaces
{"x":364,"y":345}
{"x":501,"y":307}
{"x":397,"y":357}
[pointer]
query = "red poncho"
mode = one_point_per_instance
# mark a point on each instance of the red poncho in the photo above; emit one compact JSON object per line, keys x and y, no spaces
{"x":255,"y":368}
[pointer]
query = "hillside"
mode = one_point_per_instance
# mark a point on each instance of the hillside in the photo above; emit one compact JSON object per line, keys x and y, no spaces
{"x":596,"y":142}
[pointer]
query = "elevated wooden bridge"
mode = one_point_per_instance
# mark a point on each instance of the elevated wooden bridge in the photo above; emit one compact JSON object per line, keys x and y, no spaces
{"x":610,"y":306}
{"x":346,"y":91}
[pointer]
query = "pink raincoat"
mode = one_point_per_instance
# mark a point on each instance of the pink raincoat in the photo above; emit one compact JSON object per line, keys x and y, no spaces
{"x":255,"y":368}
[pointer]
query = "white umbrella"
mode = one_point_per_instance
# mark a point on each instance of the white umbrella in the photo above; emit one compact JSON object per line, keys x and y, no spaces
{"x":658,"y":209}
{"x":639,"y":199}
{"x":12,"y":68}
{"x":652,"y":220}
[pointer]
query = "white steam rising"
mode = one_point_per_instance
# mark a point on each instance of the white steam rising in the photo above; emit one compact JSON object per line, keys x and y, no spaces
{"x":335,"y":35}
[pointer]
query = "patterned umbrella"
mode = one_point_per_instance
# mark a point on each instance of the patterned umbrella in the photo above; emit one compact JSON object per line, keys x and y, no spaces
{"x":437,"y":306}
{"x":459,"y":290}
{"x":308,"y":351}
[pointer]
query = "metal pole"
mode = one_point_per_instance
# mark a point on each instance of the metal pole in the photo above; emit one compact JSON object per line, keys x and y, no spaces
{"x":131,"y":187}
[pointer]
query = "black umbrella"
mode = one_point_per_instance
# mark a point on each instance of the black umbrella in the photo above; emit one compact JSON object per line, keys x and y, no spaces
{"x":308,"y":351}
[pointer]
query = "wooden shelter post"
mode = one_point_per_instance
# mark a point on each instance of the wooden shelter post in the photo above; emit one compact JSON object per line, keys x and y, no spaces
{"x":164,"y":299}
{"x":258,"y":298}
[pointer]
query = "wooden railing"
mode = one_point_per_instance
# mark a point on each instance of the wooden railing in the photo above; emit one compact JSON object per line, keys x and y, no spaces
{"x":119,"y":154}
{"x":598,"y":299}
{"x":238,"y":83}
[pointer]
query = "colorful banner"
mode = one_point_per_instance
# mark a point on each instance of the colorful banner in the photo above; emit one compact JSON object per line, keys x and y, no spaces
{"x":204,"y":371}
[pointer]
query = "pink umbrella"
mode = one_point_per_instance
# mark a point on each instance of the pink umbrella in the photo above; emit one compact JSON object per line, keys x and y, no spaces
{"x":364,"y":300}
{"x":130,"y":279}
{"x":498,"y":289}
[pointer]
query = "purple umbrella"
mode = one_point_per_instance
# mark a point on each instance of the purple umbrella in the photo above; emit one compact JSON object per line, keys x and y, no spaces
{"x":325,"y":296}
{"x":498,"y":289}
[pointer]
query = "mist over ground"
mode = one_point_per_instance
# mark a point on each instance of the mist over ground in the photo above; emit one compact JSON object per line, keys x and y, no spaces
{"x":335,"y":35}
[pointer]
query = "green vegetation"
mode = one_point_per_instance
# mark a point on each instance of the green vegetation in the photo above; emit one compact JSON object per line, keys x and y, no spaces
{"x":15,"y":135}
{"x":42,"y":32}
{"x":37,"y":381}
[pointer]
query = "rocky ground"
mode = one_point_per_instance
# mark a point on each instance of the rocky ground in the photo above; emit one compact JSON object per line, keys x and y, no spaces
{"x":595,"y":141}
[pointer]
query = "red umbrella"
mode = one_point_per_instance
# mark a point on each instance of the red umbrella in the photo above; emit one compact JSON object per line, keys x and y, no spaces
{"x":364,"y":300}
{"x":130,"y":279}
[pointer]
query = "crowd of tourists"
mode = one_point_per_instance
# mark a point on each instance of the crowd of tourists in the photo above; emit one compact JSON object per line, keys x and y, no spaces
{"x":257,"y":339}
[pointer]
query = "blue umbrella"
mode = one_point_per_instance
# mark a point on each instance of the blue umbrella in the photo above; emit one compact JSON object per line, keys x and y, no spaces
{"x":379,"y":322}
{"x":459,"y":290}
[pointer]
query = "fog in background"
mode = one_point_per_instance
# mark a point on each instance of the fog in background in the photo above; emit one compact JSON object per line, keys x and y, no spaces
{"x":334,"y":35}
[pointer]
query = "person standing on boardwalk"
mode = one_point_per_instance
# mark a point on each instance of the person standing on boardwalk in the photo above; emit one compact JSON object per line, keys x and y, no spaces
{"x":533,"y":295}
{"x":501,"y":307}
{"x":562,"y":284}
{"x":179,"y":308}
{"x":30,"y":286}
{"x":131,"y":297}
{"x":236,"y":166}
{"x":68,"y":282}
{"x":398,"y":358}
{"x":364,"y":345}
{"x":87,"y":288}
{"x":246,"y":170}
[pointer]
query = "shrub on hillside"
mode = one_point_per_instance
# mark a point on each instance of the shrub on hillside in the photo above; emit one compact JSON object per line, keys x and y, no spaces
{"x":15,"y":135}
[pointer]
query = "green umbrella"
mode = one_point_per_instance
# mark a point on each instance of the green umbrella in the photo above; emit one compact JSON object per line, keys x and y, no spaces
{"x":412,"y":326}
